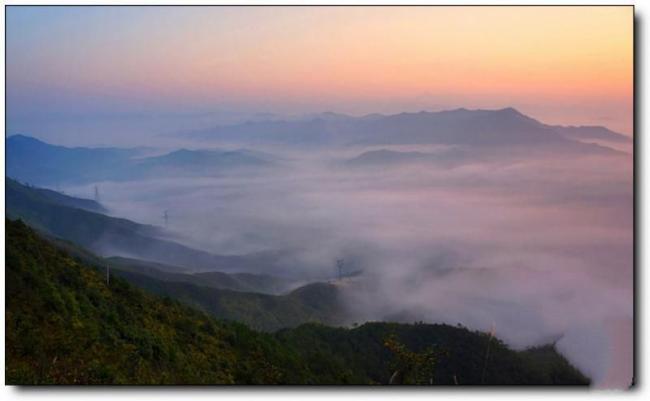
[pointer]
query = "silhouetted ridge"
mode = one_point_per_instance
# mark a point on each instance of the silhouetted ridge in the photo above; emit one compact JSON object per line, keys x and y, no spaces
{"x":480,"y":127}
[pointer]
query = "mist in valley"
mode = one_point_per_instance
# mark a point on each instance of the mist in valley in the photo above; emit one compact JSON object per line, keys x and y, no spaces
{"x":535,"y":245}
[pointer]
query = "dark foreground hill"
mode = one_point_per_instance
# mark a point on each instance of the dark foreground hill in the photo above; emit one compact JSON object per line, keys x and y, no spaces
{"x":65,"y":324}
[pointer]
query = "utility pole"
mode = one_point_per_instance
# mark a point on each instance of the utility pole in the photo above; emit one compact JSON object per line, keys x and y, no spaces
{"x":487,"y":351}
{"x":108,"y":275}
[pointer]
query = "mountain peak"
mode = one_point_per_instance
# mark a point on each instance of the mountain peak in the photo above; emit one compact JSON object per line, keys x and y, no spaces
{"x":24,"y":139}
{"x":510,"y":111}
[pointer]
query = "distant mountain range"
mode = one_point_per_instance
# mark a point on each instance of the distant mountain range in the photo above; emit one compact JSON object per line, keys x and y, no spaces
{"x":38,"y":163}
{"x":197,"y":163}
{"x":453,"y":127}
{"x":458,"y":154}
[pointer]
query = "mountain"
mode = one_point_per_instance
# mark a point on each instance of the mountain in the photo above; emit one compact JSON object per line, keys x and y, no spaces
{"x":460,"y":354}
{"x":47,"y":195}
{"x":64,"y":324}
{"x":244,"y":282}
{"x":462,"y":154}
{"x":88,"y":229}
{"x":318,"y":302}
{"x":39,"y":163}
{"x":111,"y":236}
{"x":235,"y":296}
{"x":451,"y":127}
{"x":198,"y":163}
{"x":244,"y":297}
{"x":386,"y":156}
{"x":460,"y":127}
{"x":591,"y":133}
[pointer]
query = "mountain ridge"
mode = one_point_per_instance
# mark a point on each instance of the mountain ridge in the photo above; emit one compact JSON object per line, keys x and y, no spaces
{"x":114,"y":236}
{"x":454,"y":126}
{"x":40,"y":163}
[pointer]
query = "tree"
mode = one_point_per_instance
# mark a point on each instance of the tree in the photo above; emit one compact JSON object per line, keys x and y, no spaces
{"x":412,"y":367}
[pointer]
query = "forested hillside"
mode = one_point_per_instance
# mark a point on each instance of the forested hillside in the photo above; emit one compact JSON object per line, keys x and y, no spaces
{"x":65,"y":324}
{"x":259,"y":311}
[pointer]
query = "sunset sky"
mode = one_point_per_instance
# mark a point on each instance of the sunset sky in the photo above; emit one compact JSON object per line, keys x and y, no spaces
{"x":568,"y":65}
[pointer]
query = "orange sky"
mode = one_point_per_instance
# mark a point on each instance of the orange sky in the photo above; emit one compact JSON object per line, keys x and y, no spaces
{"x":569,"y":65}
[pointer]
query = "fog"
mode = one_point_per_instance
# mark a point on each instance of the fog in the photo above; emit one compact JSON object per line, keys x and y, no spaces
{"x":537,"y":246}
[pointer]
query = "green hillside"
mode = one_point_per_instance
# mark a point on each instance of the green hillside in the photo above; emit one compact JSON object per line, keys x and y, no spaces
{"x":259,"y":311}
{"x":234,"y":296}
{"x":64,"y":324}
{"x":247,"y":282}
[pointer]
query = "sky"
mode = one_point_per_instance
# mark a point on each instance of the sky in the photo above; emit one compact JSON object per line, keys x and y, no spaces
{"x":564,"y":65}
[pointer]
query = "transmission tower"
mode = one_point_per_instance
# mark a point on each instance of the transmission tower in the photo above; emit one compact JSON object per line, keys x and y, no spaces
{"x":96,"y":194}
{"x":166,"y":217}
{"x":340,"y":263}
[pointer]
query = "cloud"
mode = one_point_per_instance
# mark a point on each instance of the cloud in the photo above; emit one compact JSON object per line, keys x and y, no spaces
{"x":541,"y":247}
